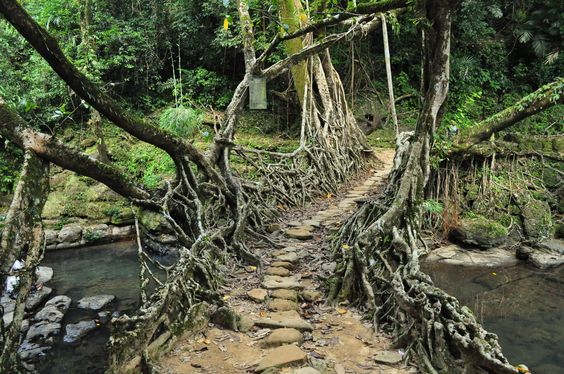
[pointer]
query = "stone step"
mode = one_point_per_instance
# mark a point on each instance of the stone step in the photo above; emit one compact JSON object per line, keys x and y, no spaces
{"x":289,"y":319}
{"x":288,"y":257}
{"x":273,"y":282}
{"x":283,"y":272}
{"x":284,"y":294}
{"x":286,"y":355}
{"x":281,"y":305}
{"x":257,"y":294}
{"x":281,"y":337}
{"x":300,"y":233}
{"x":282,"y":264}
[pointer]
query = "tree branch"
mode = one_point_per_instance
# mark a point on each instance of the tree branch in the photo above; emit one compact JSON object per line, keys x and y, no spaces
{"x":543,"y":98}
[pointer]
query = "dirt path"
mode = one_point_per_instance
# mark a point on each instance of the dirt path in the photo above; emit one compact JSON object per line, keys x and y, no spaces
{"x":286,"y":326}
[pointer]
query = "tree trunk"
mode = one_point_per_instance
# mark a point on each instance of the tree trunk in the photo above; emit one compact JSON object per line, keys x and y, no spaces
{"x":22,"y":239}
{"x":392,"y":101}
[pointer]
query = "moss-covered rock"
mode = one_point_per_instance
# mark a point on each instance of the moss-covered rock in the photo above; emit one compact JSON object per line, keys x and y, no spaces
{"x":479,"y":231}
{"x":537,"y":219}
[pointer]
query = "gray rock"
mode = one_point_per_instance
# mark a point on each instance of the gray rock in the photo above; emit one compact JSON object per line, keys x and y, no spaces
{"x":537,"y":219}
{"x":388,"y":357}
{"x":8,"y":317}
{"x":32,"y":351}
{"x":44,"y":274}
{"x":25,"y":326}
{"x":290,"y":319}
{"x":95,"y":302}
{"x":257,"y":294}
{"x":455,"y":255}
{"x":544,"y":259}
{"x":301,"y":232}
{"x":122,"y":232}
{"x":62,"y":302}
{"x":49,"y":313}
{"x":306,"y":370}
{"x":50,"y":237}
{"x":553,"y":245}
{"x":282,"y":336}
{"x":288,"y":257}
{"x":285,"y":355}
{"x":96,"y":233}
{"x":7,"y":304}
{"x":36,"y":298}
{"x":42,"y":330}
{"x":70,"y":234}
{"x":329,"y":266}
{"x":75,"y":331}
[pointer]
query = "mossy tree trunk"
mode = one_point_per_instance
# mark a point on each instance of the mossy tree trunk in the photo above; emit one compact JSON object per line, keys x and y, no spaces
{"x":22,"y":239}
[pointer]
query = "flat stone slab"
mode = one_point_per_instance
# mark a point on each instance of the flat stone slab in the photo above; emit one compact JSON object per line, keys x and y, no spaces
{"x":312,"y":222}
{"x":285,"y":294}
{"x":273,"y":282}
{"x":42,"y":330}
{"x":455,"y":255}
{"x":282,"y":336}
{"x":49,"y":313}
{"x":306,"y":370}
{"x":282,"y":264}
{"x":95,"y":302}
{"x":311,"y":295}
{"x":75,"y":331}
{"x":299,"y":233}
{"x":282,"y":305}
{"x":387,"y":357}
{"x":283,"y":272}
{"x":289,"y":319}
{"x":62,"y":302}
{"x":285,"y":355}
{"x":288,"y":257}
{"x":257,"y":294}
{"x":36,"y":298}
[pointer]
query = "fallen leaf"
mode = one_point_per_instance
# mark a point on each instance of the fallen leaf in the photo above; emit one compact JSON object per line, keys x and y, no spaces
{"x":341,"y":310}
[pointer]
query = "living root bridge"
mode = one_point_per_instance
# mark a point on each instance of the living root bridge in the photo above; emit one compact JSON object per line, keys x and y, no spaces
{"x":378,"y":248}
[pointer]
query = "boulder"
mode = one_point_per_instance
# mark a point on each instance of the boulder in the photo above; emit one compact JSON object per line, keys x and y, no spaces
{"x":50,"y":237}
{"x":480,"y":232}
{"x":388,"y":357}
{"x":537,"y":219}
{"x":95,"y":302}
{"x":44,"y":274}
{"x":96,"y":233}
{"x":75,"y":331}
{"x":42,"y":330}
{"x":456,"y":255}
{"x":285,"y":355}
{"x":62,"y":302}
{"x":36,"y":298}
{"x":49,"y":313}
{"x":70,"y":234}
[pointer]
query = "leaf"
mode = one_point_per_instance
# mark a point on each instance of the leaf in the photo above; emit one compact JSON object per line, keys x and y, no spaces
{"x":342,"y":311}
{"x":346,"y":246}
{"x":225,"y":24}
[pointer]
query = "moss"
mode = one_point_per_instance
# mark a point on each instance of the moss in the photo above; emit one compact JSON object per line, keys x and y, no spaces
{"x":486,"y":227}
{"x":537,"y":219}
{"x":382,"y":138}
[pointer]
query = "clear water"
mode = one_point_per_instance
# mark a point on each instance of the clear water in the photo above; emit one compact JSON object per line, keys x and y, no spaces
{"x":522,"y":305}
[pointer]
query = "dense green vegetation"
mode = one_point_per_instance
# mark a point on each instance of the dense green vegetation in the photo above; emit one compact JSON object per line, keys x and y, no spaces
{"x":176,"y":59}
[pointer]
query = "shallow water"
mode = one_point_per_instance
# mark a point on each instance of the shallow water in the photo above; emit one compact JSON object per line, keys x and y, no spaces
{"x":522,"y":305}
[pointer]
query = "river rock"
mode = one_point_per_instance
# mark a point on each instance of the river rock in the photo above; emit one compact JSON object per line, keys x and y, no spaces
{"x":70,"y":234}
{"x":285,"y":294}
{"x":257,"y":294}
{"x":44,"y":274}
{"x":480,"y":232}
{"x":50,"y":237}
{"x":31,"y":351}
{"x":96,"y":233}
{"x":42,"y":330}
{"x":36,"y":298}
{"x":272,"y":282}
{"x":49,"y":313}
{"x":62,"y":302}
{"x":290,"y":319}
{"x":311,"y":295}
{"x":283,"y":272}
{"x":95,"y":302}
{"x":281,"y":305}
{"x":75,"y":331}
{"x":543,"y":258}
{"x":285,"y":355}
{"x":388,"y":357}
{"x":282,"y":336}
{"x":456,"y":255}
{"x":8,"y":317}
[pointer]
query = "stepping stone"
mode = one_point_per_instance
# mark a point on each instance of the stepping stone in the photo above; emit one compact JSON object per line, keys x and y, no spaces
{"x":283,"y":272}
{"x":36,"y":298}
{"x":285,"y":355}
{"x":299,"y":233}
{"x":346,"y":204}
{"x":294,"y":223}
{"x":311,"y":295}
{"x":257,"y":294}
{"x":95,"y":302}
{"x":306,"y":370}
{"x":282,"y":264}
{"x":290,"y":319}
{"x":284,"y":294}
{"x":273,"y":282}
{"x":288,"y":257}
{"x":282,"y":305}
{"x":281,"y":337}
{"x":387,"y":357}
{"x":312,"y":222}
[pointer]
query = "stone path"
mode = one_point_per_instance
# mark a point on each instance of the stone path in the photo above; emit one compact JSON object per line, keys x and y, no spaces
{"x":286,"y":328}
